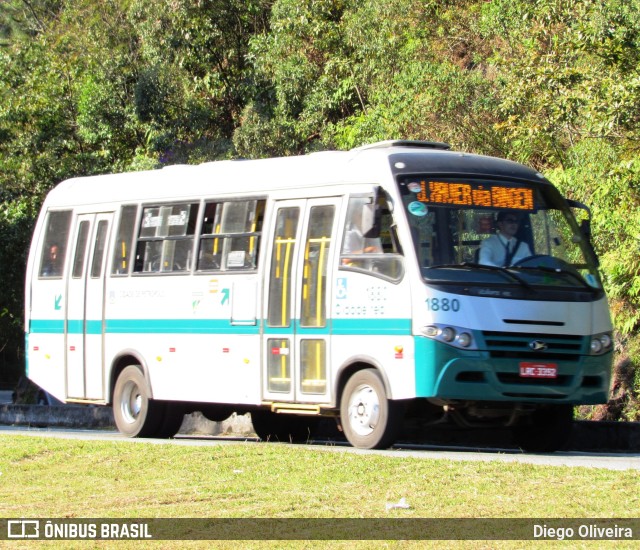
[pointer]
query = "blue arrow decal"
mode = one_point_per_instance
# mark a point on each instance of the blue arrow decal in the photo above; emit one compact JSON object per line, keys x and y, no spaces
{"x":225,"y":296}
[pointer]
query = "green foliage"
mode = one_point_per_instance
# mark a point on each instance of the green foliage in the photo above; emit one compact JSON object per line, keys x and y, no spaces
{"x":194,"y":76}
{"x":20,"y":20}
{"x":596,"y":175}
{"x":16,"y":221}
{"x":89,"y":87}
{"x":567,"y":71}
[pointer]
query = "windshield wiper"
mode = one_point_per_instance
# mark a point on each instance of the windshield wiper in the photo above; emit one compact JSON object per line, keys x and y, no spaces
{"x":502,"y":270}
{"x":558,"y":271}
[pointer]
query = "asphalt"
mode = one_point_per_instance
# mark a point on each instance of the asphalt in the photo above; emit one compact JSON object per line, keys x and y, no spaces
{"x":587,"y":436}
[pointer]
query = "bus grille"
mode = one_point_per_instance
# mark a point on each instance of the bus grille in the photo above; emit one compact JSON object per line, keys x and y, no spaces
{"x":510,"y":345}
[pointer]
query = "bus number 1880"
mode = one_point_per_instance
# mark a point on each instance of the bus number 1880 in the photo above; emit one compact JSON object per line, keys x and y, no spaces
{"x":443,"y":304}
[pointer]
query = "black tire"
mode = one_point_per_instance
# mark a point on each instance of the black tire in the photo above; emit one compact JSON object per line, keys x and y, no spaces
{"x":546,"y":430}
{"x":135,"y":413}
{"x":369,"y":420}
{"x":172,"y":418}
{"x":284,"y":428}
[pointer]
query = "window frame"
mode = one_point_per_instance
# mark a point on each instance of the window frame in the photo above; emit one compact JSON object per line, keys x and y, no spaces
{"x":225,"y":238}
{"x":126,"y":234}
{"x":382,"y":263}
{"x":51,"y":238}
{"x":142,"y":241}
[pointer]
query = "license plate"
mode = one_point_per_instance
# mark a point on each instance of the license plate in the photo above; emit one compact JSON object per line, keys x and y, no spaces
{"x":538,"y":370}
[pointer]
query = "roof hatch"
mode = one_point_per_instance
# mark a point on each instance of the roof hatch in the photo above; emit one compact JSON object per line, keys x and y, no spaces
{"x":405,"y":143}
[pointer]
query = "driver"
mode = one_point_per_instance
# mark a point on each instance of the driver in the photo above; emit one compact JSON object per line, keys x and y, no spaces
{"x":504,"y":248}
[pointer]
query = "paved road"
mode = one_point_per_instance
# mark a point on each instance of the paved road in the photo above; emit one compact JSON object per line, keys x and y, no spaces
{"x":607,"y":461}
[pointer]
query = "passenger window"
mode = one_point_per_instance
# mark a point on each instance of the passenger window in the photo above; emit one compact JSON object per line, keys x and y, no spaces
{"x":99,"y":248}
{"x":280,"y":280}
{"x":122,"y":248}
{"x":317,"y":253}
{"x":230,"y":235}
{"x":370,"y":242}
{"x":165,"y":243}
{"x":81,"y":250}
{"x":54,"y":248}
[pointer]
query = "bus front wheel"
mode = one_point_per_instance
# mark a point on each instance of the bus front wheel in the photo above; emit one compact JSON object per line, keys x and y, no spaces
{"x":369,"y":420}
{"x":135,"y":413}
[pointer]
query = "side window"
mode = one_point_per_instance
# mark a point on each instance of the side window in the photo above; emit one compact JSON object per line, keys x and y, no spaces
{"x":230,"y":235}
{"x":54,"y":248}
{"x":122,"y":248}
{"x":280,"y":280}
{"x":316,"y":258}
{"x":165,"y":241}
{"x":370,"y":242}
{"x":81,"y":250}
{"x":99,"y":249}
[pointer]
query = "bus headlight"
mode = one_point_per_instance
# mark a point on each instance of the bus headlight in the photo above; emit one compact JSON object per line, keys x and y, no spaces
{"x":464,"y":339}
{"x":431,"y":331}
{"x":606,"y":340}
{"x":454,"y":336}
{"x":448,"y":334}
{"x":600,"y":343}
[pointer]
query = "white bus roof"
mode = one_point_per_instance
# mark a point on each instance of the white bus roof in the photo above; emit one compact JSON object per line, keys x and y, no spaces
{"x":366,"y":164}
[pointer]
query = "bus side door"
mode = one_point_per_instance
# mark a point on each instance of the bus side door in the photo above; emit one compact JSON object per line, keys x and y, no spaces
{"x":85,"y":308}
{"x":296,"y":326}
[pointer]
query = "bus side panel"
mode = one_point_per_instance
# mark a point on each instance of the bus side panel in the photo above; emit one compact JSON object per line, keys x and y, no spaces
{"x":195,"y":344}
{"x":44,"y":324}
{"x":372,"y":323}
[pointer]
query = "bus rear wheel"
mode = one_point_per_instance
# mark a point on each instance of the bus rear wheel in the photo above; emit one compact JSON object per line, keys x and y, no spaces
{"x":135,"y":413}
{"x":369,"y":420}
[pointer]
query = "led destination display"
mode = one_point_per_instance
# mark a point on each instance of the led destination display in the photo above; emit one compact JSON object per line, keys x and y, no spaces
{"x":473,"y":195}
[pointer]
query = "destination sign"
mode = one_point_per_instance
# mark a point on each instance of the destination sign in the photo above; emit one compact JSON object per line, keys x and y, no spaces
{"x":473,"y":195}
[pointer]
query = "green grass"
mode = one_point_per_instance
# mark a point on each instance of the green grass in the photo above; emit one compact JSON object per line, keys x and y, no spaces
{"x":56,"y":478}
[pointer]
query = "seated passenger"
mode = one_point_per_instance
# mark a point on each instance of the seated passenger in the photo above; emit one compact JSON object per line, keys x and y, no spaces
{"x":504,"y":248}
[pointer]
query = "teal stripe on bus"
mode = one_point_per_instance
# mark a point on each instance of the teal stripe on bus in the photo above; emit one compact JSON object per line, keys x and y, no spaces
{"x":47,"y":326}
{"x":75,"y":326}
{"x":349,"y":327}
{"x":177,"y":326}
{"x":219,"y":326}
{"x":371,"y":326}
{"x":141,"y":326}
{"x":93,"y":327}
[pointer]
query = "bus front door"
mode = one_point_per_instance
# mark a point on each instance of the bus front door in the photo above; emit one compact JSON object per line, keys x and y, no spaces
{"x":296,"y":330}
{"x":85,"y":308}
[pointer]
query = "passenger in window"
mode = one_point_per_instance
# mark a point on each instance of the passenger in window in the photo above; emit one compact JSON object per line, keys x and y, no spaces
{"x":51,"y":266}
{"x":504,"y":248}
{"x":355,"y":241}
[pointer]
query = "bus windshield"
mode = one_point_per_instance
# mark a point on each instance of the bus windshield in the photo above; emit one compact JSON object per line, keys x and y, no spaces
{"x":494,"y":232}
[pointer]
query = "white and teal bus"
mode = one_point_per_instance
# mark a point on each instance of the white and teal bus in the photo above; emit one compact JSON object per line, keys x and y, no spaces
{"x":348,"y":284}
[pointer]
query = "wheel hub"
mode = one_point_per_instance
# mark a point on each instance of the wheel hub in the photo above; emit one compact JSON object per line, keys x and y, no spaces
{"x":364,"y":410}
{"x":131,"y":403}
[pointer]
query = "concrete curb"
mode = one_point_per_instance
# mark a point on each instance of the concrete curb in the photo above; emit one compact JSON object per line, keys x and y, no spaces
{"x":92,"y":418}
{"x":587,"y":436}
